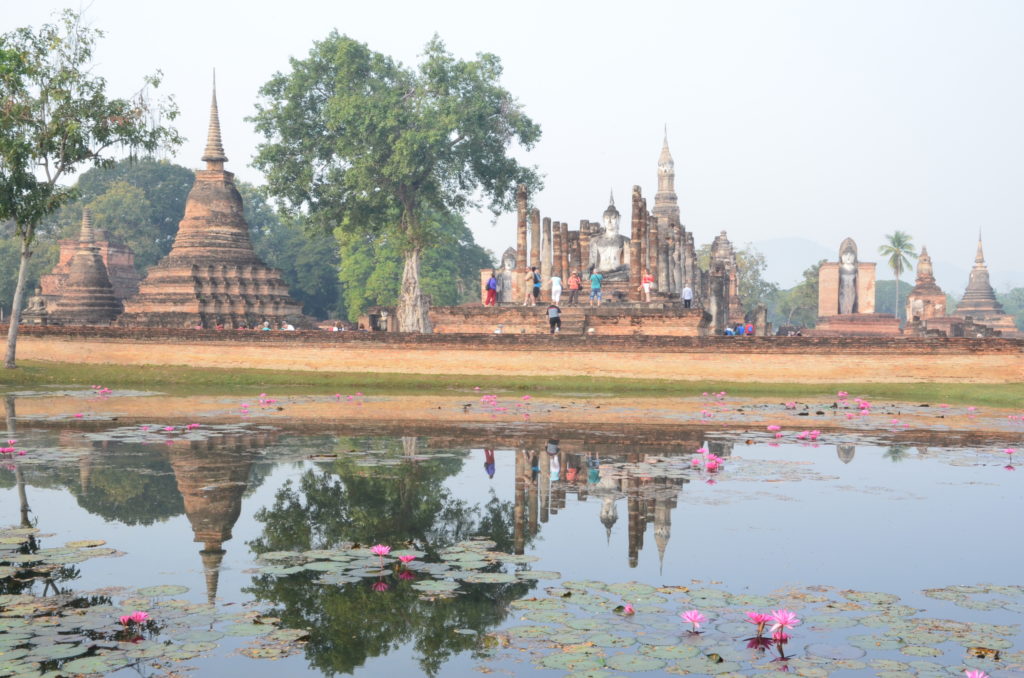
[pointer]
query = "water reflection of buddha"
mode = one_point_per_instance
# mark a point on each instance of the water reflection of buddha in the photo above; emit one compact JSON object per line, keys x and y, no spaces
{"x":845,"y":453}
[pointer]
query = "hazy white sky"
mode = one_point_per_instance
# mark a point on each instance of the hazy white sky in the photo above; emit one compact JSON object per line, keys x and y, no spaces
{"x":808,"y":119}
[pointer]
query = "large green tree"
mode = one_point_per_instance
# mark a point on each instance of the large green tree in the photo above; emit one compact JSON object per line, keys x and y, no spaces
{"x":55,"y":117}
{"x":898,"y":250}
{"x":371,"y":267}
{"x":751,"y":284}
{"x":799,"y":304}
{"x":367,"y":145}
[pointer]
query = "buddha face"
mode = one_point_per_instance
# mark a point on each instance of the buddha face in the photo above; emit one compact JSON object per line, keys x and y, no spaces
{"x":508,"y":262}
{"x":611,"y":223}
{"x":848,"y":257}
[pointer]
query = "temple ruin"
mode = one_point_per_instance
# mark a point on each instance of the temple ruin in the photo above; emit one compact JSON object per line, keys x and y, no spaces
{"x":86,"y":297}
{"x":212,"y":277}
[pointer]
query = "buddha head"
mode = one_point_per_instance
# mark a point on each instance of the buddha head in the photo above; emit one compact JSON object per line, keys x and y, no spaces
{"x":611,"y":217}
{"x":508,"y":259}
{"x":848,"y":253}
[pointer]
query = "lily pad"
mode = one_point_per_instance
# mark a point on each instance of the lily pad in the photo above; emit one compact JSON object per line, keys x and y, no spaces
{"x":431,"y":586}
{"x":489,"y":578}
{"x":634,"y":662}
{"x":572,"y":661}
{"x":162,"y":590}
{"x":248,"y":629}
{"x":85,"y":543}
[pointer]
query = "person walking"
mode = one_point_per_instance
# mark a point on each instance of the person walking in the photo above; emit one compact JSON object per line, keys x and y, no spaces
{"x":645,"y":285}
{"x":555,"y":318}
{"x":492,"y":290}
{"x":532,"y":287}
{"x":595,"y":286}
{"x":575,"y":282}
{"x":687,"y":296}
{"x":556,"y":289}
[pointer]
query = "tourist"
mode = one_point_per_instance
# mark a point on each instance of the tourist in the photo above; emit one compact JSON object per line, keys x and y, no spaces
{"x":687,"y":296}
{"x":532,"y":286}
{"x":595,"y":286}
{"x":645,"y":285}
{"x":555,"y":318}
{"x":492,"y":290}
{"x":266,"y":326}
{"x":749,"y":329}
{"x":556,"y":289}
{"x":575,"y":282}
{"x":536,"y":285}
{"x":729,"y":332}
{"x":287,"y":326}
{"x":739,"y":330}
{"x":553,"y":462}
{"x":489,"y":463}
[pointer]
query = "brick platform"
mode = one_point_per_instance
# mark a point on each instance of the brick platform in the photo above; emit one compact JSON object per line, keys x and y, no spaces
{"x":632,"y":319}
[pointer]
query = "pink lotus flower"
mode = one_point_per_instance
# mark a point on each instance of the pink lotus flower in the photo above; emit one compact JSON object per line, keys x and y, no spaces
{"x":1008,"y":450}
{"x":79,"y":416}
{"x":780,"y":637}
{"x":476,"y":388}
{"x":760,"y":619}
{"x":712,"y":464}
{"x":774,"y":427}
{"x":125,"y":620}
{"x":406,"y":574}
{"x":695,"y":618}
{"x":1009,"y":467}
{"x":975,"y":673}
{"x":628,"y":609}
{"x":12,"y":443}
{"x":843,"y":394}
{"x":850,"y":415}
{"x":406,"y":559}
{"x":144,"y":427}
{"x":791,"y":405}
{"x":21,"y":453}
{"x":778,"y":434}
{"x":696,"y":461}
{"x":380,"y":550}
{"x":359,"y":394}
{"x":802,"y":435}
{"x":168,"y":428}
{"x":138,"y":617}
{"x":813,"y":435}
{"x":380,"y":586}
{"x":526,"y":397}
{"x":784,"y":619}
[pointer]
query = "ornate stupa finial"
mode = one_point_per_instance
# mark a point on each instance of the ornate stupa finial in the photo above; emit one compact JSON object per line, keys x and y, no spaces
{"x":611,"y":198}
{"x":979,"y":257}
{"x":86,"y":236}
{"x":214,"y":156}
{"x":665,"y":159}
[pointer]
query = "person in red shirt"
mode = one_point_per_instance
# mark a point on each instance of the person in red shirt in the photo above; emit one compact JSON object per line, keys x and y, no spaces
{"x":645,"y":284}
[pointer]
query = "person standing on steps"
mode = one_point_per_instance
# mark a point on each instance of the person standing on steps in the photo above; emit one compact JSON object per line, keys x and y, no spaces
{"x":575,"y":282}
{"x":687,"y":296}
{"x":645,"y":285}
{"x":532,"y":287}
{"x":595,"y":286}
{"x":556,"y":289}
{"x":492,"y":290}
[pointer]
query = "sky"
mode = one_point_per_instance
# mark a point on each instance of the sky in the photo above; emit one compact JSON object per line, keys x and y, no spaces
{"x":793,"y":124}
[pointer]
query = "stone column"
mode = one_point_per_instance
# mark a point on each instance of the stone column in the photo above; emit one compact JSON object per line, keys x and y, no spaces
{"x":556,"y":249}
{"x":534,"y":239}
{"x":654,"y":249}
{"x":636,"y":234}
{"x":521,"y":227}
{"x":565,"y":252}
{"x":584,"y":247}
{"x":545,"y":259}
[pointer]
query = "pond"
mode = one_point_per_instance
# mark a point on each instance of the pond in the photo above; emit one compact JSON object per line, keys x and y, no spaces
{"x":542,"y":551}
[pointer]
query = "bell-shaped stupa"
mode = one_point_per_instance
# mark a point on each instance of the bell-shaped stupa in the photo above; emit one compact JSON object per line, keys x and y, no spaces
{"x":88,"y":297}
{"x":979,"y":301}
{"x":926,"y":300}
{"x":211,"y":276}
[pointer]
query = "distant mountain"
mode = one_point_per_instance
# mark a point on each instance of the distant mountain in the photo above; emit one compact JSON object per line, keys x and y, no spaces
{"x":788,"y":258}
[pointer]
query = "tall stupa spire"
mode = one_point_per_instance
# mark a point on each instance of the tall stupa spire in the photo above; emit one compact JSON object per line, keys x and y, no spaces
{"x":979,"y":257}
{"x":666,"y":203}
{"x":86,"y":235}
{"x":214,"y":156}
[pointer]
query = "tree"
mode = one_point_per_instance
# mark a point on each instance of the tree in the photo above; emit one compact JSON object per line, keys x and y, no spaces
{"x":750,"y":267}
{"x":55,"y":116}
{"x":899,"y":250}
{"x":371,"y":267}
{"x":369,"y":146}
{"x":799,"y":304}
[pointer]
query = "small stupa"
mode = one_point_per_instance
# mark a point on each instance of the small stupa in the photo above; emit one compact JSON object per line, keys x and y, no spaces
{"x":926,"y":300}
{"x":87,"y":297}
{"x":211,"y":277}
{"x":979,"y":301}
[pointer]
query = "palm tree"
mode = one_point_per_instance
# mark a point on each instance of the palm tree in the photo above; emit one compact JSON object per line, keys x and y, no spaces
{"x":899,"y":250}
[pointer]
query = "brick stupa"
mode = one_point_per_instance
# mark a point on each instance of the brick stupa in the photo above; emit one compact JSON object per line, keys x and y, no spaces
{"x":117,"y":257}
{"x":211,"y":276}
{"x":87,"y":297}
{"x":979,"y":300}
{"x":926,"y":300}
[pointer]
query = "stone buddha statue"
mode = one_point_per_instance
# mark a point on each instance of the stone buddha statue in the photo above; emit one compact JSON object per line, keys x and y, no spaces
{"x":609,"y":251}
{"x":848,"y":277}
{"x":506,"y":275}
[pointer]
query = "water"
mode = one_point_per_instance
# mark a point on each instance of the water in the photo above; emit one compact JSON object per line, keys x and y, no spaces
{"x":854,"y":513}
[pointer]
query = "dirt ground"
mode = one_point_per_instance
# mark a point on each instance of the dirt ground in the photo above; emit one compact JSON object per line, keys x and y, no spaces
{"x":809,"y":368}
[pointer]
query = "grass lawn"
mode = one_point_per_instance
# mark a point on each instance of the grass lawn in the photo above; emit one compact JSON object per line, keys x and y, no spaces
{"x":211,"y":381}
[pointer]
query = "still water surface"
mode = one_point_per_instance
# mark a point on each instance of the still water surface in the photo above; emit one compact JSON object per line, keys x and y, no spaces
{"x":199,"y":511}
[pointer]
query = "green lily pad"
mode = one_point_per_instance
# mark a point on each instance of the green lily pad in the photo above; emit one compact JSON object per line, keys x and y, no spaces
{"x":248,"y":629}
{"x":870,"y":642}
{"x":632,"y":589}
{"x":634,"y":662}
{"x":324,"y":566}
{"x":670,"y":651}
{"x":921,"y":651}
{"x":537,"y":604}
{"x":605,"y":639}
{"x":547,"y":616}
{"x":830,"y":621}
{"x":537,"y":574}
{"x":432,"y":586}
{"x":826,"y":651}
{"x":572,"y":661}
{"x":532,"y":631}
{"x":489,"y":578}
{"x":282,"y":570}
{"x":289,"y":635}
{"x":97,"y":664}
{"x":57,"y":651}
{"x":280,"y":555}
{"x":163,"y":590}
{"x":85,"y":543}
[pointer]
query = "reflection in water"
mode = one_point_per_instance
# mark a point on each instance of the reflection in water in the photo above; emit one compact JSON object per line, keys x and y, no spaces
{"x":845,"y":453}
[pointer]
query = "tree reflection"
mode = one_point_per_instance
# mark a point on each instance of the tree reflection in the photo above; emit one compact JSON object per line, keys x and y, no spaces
{"x":405,"y":504}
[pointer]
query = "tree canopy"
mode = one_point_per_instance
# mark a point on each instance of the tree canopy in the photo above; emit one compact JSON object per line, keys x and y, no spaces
{"x":369,"y":146}
{"x":55,"y":117}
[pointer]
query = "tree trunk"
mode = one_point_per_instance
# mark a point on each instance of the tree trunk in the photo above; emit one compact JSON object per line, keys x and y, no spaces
{"x":19,"y":294}
{"x":412,"y":308}
{"x":896,"y":311}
